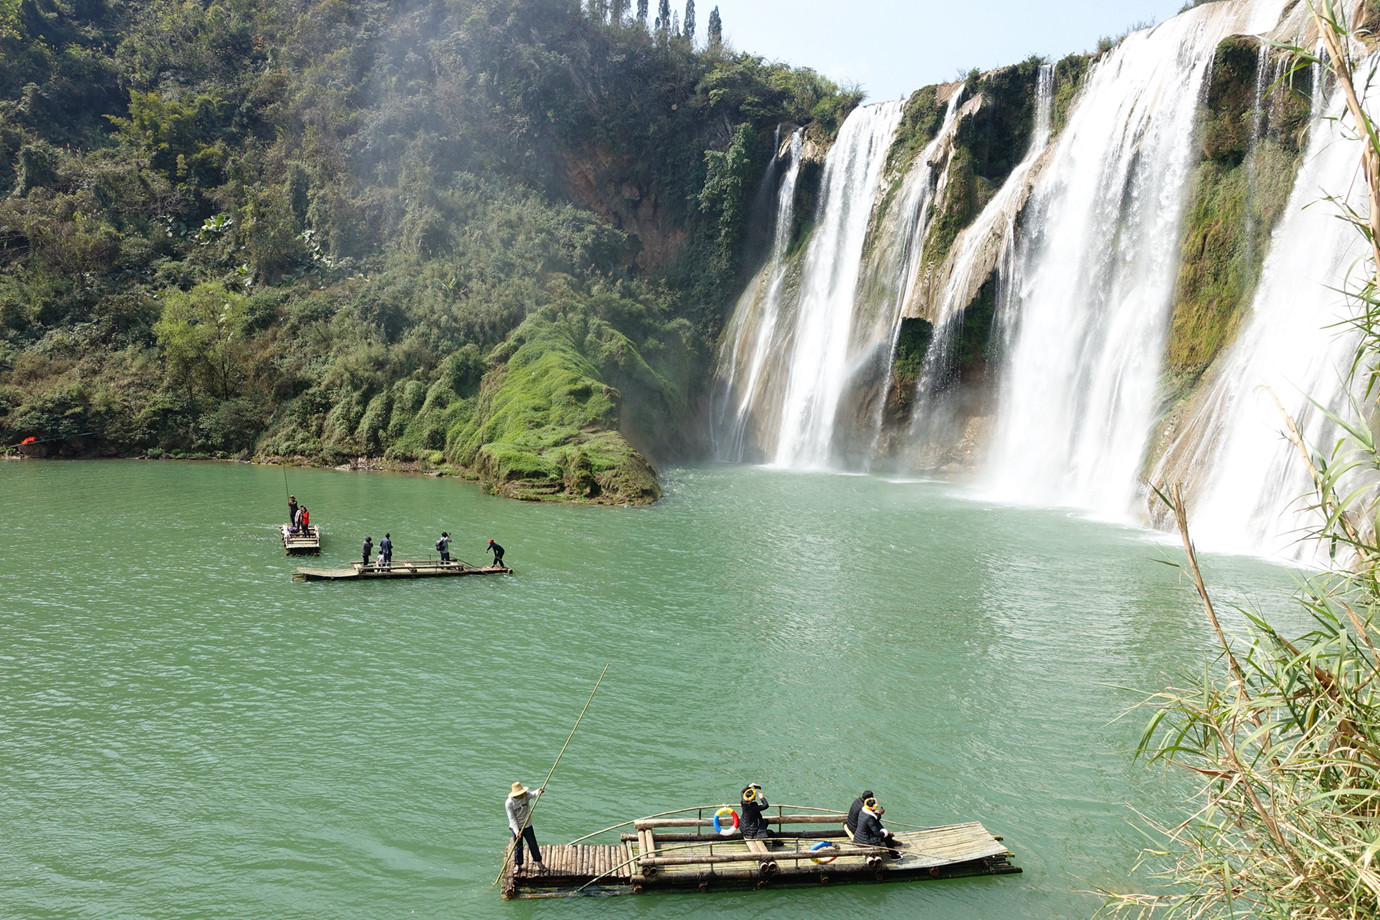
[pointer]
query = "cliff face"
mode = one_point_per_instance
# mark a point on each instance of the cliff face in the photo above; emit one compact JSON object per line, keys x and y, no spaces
{"x":594,"y":181}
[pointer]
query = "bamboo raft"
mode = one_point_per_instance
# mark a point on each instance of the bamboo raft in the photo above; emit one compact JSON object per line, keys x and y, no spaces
{"x":302,"y":544}
{"x":686,"y":854}
{"x":400,"y":568}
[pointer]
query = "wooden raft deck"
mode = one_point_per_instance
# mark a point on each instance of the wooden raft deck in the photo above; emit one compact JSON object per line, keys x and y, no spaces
{"x":661,"y":856}
{"x":302,"y":544}
{"x":400,"y":568}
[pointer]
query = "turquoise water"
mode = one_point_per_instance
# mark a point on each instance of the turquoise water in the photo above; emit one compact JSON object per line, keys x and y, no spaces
{"x":188,"y":734}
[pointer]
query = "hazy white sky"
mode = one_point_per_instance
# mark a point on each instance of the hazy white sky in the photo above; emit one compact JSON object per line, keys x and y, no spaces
{"x":891,"y":47}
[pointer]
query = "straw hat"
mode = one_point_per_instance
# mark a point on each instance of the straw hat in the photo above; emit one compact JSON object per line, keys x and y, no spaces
{"x":518,"y":790}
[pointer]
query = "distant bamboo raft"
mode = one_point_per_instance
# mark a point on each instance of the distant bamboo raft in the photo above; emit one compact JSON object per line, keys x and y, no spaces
{"x":302,"y":543}
{"x":400,"y":568}
{"x":685,"y":853}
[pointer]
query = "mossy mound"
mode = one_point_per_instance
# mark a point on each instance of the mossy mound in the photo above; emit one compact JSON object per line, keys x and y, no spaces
{"x":549,"y":421}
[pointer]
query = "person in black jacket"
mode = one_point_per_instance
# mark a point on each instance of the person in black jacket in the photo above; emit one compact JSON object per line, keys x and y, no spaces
{"x":870,"y":832}
{"x":367,"y":549}
{"x":497,"y":551}
{"x":850,"y":823}
{"x":753,"y":825}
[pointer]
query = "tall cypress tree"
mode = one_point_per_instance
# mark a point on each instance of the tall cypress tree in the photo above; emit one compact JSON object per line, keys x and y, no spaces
{"x":619,"y":9}
{"x":715,"y":35}
{"x":642,"y":13}
{"x":663,"y":18}
{"x":690,"y":21}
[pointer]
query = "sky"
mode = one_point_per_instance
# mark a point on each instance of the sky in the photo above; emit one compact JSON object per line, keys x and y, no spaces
{"x":893,"y":47}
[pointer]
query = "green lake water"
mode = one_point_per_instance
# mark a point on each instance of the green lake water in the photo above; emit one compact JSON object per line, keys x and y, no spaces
{"x":185,"y":733}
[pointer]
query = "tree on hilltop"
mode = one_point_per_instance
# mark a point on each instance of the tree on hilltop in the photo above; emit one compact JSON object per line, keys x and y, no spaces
{"x":642,"y":13}
{"x":715,"y":30}
{"x":690,"y":21}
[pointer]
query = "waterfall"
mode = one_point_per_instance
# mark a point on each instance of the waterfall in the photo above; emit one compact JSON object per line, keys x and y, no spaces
{"x":753,"y":329}
{"x":899,"y":257}
{"x":981,"y":245}
{"x":1093,"y":281}
{"x":1296,"y":348}
{"x":826,"y":342}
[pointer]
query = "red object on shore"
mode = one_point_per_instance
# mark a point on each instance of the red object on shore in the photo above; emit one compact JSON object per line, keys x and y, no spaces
{"x":29,"y":440}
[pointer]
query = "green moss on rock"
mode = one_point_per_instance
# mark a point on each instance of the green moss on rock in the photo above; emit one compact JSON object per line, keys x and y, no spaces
{"x":912,"y":341}
{"x":959,"y":205}
{"x":552,"y":421}
{"x":1069,"y":74}
{"x":1226,"y":130}
{"x":1239,"y":191}
{"x":920,"y":121}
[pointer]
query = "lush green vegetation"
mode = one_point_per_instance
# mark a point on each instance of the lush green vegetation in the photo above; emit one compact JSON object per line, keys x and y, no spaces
{"x":987,"y":145}
{"x":1251,"y":142}
{"x":493,"y":236}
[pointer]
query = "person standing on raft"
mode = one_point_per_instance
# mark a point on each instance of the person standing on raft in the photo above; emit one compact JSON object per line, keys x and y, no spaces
{"x":754,"y":826}
{"x":443,"y":547}
{"x":292,"y":512}
{"x":367,"y":549}
{"x":520,"y":803}
{"x":497,"y":551}
{"x":386,"y":551}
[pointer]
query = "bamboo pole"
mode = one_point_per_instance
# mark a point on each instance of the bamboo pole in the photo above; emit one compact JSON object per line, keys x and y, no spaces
{"x":709,"y":822}
{"x":508,"y":853}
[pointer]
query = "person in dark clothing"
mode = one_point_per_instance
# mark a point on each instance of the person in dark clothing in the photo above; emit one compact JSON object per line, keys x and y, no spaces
{"x":386,"y":551}
{"x":753,"y":825}
{"x":870,"y":832}
{"x":443,"y":546}
{"x":292,"y":511}
{"x":497,"y":551}
{"x":367,"y":549}
{"x":850,"y":824}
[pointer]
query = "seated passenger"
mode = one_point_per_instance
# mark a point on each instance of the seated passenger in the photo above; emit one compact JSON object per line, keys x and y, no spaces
{"x":754,"y":826}
{"x":870,"y":832}
{"x":850,"y":823}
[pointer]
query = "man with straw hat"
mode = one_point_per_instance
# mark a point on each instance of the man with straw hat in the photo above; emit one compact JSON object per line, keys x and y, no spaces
{"x":520,"y":803}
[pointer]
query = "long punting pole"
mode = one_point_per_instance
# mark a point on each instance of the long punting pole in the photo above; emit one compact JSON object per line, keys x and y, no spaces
{"x":508,"y":853}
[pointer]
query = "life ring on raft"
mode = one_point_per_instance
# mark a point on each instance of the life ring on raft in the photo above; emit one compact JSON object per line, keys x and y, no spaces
{"x":721,"y":825}
{"x":823,"y":860}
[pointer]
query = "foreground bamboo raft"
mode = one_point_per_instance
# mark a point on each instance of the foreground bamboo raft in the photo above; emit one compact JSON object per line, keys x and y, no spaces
{"x":400,"y":568}
{"x":685,"y":853}
{"x":302,"y":543}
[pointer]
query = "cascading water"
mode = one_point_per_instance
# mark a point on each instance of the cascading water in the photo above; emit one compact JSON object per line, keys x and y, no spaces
{"x":1095,"y":274}
{"x":981,"y":245}
{"x":1296,"y":348}
{"x":898,"y":257}
{"x":826,"y":341}
{"x":753,"y":329}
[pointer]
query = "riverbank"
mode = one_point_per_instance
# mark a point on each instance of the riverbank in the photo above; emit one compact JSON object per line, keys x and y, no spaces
{"x":636,"y":485}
